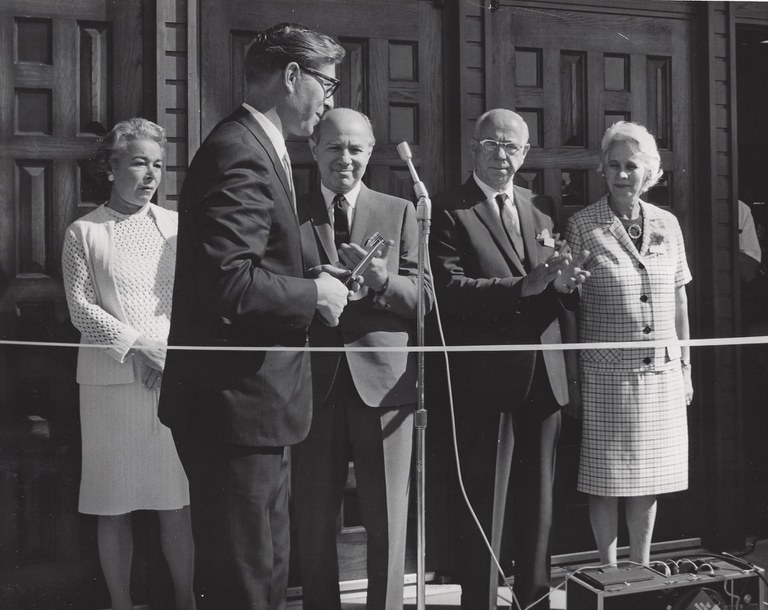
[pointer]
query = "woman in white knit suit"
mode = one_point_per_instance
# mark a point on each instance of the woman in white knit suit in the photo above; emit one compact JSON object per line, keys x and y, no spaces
{"x":118,"y":265}
{"x":635,"y":439}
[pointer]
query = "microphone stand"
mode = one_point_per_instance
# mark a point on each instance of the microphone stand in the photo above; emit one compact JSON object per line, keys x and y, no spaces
{"x":423,"y":217}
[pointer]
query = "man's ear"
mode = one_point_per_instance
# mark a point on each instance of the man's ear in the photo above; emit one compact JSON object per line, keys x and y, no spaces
{"x":291,"y":74}
{"x":313,"y":148}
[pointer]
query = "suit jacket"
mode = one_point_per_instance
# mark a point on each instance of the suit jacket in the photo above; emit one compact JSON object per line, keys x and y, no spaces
{"x":383,"y":379}
{"x":239,"y":283}
{"x":478,"y":278}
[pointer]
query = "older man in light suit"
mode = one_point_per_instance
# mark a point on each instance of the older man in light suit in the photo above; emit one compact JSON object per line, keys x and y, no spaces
{"x":363,"y":401}
{"x":501,"y":280}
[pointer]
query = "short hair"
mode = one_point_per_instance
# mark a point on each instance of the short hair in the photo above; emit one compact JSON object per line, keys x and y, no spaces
{"x":511,"y":114}
{"x":275,"y":47}
{"x":318,"y":128}
{"x":120,"y":135}
{"x":648,"y":152}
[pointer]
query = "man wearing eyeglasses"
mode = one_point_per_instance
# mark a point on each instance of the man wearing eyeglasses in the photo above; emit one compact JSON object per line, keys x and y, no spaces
{"x":240,"y":284}
{"x":501,"y":278}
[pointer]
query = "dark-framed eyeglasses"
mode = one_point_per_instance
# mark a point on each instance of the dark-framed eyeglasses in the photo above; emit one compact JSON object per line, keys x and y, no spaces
{"x":489,"y":146}
{"x":328,"y":83}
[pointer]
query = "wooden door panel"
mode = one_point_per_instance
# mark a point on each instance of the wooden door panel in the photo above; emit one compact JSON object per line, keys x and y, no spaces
{"x":71,"y":70}
{"x":391,"y":73}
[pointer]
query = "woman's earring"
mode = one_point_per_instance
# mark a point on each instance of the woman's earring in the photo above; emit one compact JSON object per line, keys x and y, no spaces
{"x":111,"y":177}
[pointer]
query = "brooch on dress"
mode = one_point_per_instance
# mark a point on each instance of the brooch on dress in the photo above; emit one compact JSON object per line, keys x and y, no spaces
{"x":635,"y":231}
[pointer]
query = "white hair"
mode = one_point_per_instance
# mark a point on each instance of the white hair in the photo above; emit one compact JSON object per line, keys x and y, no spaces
{"x":648,"y":152}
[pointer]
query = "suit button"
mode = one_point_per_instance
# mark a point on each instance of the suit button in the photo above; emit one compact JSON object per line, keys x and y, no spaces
{"x":647,"y":330}
{"x":387,"y":306}
{"x":644,"y":298}
{"x":641,"y":266}
{"x":646,"y":360}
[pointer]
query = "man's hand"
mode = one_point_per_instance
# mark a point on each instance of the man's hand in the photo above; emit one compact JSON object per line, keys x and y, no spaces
{"x":375,"y":276}
{"x":543,"y":273}
{"x":332,"y":296}
{"x":573,"y":275}
{"x":341,"y":274}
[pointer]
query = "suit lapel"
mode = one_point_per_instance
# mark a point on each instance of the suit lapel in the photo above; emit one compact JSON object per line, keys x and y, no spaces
{"x":651,"y":224}
{"x":363,"y":211}
{"x":490,"y":218}
{"x":244,"y":117}
{"x":321,"y":224}
{"x":527,"y":226}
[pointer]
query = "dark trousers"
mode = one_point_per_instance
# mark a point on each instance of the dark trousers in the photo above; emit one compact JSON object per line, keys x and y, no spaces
{"x":508,"y":467}
{"x":239,"y":506}
{"x":379,"y":440}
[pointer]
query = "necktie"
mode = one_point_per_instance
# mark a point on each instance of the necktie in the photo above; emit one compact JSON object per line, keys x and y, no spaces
{"x":340,"y":221}
{"x":511,"y":222}
{"x":289,"y":173}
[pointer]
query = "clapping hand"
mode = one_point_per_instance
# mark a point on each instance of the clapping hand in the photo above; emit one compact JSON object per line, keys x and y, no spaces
{"x":544,"y":273}
{"x":573,"y":274}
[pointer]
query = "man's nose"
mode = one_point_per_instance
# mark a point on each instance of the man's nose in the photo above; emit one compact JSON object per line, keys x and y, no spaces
{"x":328,"y":104}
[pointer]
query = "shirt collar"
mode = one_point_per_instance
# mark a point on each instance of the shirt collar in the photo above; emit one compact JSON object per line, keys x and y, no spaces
{"x":351,"y":196}
{"x":490,"y":192}
{"x":273,"y":133}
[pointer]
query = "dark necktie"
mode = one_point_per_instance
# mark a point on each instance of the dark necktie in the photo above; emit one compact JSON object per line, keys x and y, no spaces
{"x":340,"y":221}
{"x":511,"y":222}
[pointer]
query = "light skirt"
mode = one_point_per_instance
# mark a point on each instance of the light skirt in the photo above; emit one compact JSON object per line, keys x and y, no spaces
{"x":129,"y":458}
{"x":635,"y":433}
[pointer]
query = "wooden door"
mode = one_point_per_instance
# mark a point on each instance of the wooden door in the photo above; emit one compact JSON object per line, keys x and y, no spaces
{"x":69,"y":71}
{"x":391,"y":73}
{"x":571,"y":73}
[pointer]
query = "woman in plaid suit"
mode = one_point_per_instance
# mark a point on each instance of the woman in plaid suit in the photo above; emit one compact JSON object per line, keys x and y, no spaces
{"x":635,"y":438}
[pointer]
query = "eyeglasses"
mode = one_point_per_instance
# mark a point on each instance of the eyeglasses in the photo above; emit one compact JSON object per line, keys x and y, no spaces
{"x":328,"y":83}
{"x":489,"y":146}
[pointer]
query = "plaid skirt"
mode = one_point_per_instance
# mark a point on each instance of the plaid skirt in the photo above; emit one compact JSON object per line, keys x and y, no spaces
{"x":635,"y":432}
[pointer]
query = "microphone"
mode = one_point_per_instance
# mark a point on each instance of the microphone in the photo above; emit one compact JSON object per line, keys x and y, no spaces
{"x":418,"y":186}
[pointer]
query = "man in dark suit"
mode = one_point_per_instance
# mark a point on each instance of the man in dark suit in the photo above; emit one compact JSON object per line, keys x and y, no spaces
{"x":363,"y":401}
{"x":240,"y":283}
{"x":500,"y":280}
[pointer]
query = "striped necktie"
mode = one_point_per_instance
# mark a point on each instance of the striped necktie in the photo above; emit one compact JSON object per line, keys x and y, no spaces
{"x":289,"y":173}
{"x":511,"y":221}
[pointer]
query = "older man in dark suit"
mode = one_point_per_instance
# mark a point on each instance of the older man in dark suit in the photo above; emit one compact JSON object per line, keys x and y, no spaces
{"x":500,"y":279}
{"x":240,"y":283}
{"x":364,"y":401}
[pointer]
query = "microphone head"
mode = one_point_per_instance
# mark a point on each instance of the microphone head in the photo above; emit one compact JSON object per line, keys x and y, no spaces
{"x":404,"y":151}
